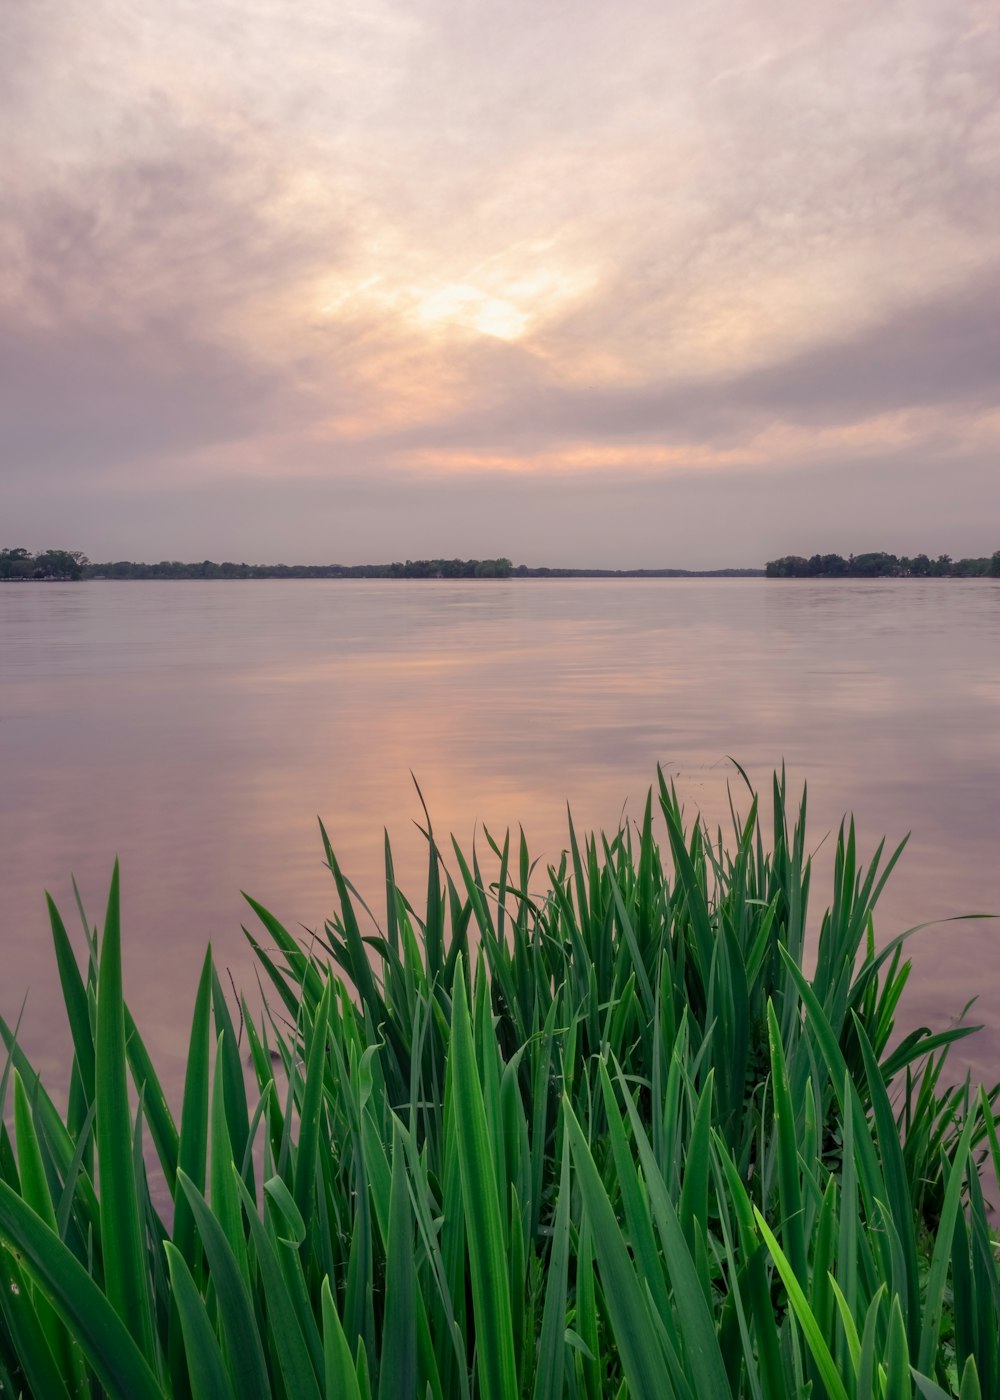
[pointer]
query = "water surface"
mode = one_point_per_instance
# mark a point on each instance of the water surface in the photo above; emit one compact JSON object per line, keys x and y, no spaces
{"x":198,"y":729}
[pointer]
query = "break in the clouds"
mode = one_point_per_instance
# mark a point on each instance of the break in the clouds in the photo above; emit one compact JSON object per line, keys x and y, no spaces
{"x":578,"y":283}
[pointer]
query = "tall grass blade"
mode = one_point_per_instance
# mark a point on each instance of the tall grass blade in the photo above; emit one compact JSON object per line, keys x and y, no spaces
{"x":104,"y":1339}
{"x":122,"y":1243}
{"x":642,"y":1357}
{"x":804,"y":1315}
{"x":244,"y":1353}
{"x":206,"y":1366}
{"x":484,"y":1227}
{"x":398,"y":1370}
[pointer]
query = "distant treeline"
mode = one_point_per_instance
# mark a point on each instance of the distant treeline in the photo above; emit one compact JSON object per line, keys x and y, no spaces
{"x":412,"y":568}
{"x":60,"y":564}
{"x":880,"y":565}
{"x":522,"y":571}
{"x":63,"y":564}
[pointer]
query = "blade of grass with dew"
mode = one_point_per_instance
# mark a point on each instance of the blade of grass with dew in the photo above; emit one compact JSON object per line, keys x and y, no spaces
{"x":96,"y":1327}
{"x":21,"y":1308}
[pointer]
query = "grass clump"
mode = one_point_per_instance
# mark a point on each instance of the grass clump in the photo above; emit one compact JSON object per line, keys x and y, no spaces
{"x":592,"y":1134}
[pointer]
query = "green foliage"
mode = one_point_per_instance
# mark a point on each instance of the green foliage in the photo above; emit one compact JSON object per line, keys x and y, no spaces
{"x":61,"y":564}
{"x":208,"y":569}
{"x":47,"y":564}
{"x":881,"y":565}
{"x":592,"y":1134}
{"x":18,"y":564}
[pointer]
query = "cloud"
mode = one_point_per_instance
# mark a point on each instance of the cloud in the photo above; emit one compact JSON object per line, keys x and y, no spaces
{"x":941,"y":351}
{"x":377,"y":244}
{"x":91,"y":404}
{"x":130,"y":308}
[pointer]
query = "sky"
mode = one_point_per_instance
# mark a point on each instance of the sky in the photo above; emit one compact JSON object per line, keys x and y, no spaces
{"x":676,"y":284}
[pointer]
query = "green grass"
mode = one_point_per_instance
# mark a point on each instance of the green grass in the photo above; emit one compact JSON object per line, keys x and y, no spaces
{"x":588,"y":1131}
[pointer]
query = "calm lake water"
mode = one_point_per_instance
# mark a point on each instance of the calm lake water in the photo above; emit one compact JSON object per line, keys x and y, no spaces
{"x":198,"y":730}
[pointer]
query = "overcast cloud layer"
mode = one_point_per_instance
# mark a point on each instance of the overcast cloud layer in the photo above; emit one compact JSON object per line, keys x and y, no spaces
{"x":633,"y":284}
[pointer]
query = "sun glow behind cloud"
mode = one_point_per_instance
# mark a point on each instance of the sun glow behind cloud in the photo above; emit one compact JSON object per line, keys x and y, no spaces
{"x":457,"y":305}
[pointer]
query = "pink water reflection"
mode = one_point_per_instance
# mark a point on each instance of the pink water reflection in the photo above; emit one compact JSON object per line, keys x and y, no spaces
{"x":198,"y":730}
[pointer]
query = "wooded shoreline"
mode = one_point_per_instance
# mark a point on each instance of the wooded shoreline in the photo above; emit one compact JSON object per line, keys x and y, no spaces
{"x":57,"y":565}
{"x":17,"y":565}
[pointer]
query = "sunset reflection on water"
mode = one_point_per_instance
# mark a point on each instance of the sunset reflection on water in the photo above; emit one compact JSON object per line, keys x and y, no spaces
{"x":197,"y":730}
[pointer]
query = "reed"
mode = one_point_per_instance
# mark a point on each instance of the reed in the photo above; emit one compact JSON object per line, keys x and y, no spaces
{"x":584,"y":1132}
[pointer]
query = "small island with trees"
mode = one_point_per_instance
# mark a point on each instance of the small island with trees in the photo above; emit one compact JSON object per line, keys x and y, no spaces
{"x":881,"y":565}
